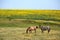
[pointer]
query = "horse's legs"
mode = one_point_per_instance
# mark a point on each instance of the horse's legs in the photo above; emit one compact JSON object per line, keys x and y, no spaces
{"x":30,"y":31}
{"x":35,"y":30}
{"x":42,"y":31}
{"x":48,"y":30}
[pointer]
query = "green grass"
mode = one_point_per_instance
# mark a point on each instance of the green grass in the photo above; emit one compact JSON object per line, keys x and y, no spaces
{"x":26,"y":23}
{"x":16,"y":23}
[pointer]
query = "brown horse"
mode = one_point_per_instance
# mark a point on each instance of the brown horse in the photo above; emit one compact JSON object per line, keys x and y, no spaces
{"x":32,"y":28}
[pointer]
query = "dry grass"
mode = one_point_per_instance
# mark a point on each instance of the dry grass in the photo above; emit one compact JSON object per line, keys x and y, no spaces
{"x":15,"y":33}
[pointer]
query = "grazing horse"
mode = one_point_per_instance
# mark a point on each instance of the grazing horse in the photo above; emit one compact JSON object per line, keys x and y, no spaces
{"x":32,"y":28}
{"x":44,"y":28}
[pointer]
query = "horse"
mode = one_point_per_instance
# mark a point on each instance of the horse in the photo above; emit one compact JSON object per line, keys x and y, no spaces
{"x":44,"y":28}
{"x":31,"y":28}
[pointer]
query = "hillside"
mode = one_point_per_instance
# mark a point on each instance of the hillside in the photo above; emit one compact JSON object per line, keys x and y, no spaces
{"x":31,"y":14}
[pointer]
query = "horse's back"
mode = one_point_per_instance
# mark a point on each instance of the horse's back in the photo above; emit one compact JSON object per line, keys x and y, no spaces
{"x":33,"y":27}
{"x":45,"y":27}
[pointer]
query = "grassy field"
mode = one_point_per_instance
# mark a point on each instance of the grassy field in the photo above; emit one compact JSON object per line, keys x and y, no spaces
{"x":15,"y":30}
{"x":17,"y":33}
{"x":13,"y":24}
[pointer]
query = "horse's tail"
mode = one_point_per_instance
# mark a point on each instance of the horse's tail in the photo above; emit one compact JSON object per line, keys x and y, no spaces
{"x":27,"y":29}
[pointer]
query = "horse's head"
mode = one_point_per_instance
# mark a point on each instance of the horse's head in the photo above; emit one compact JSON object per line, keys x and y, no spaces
{"x":40,"y":26}
{"x":36,"y":26}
